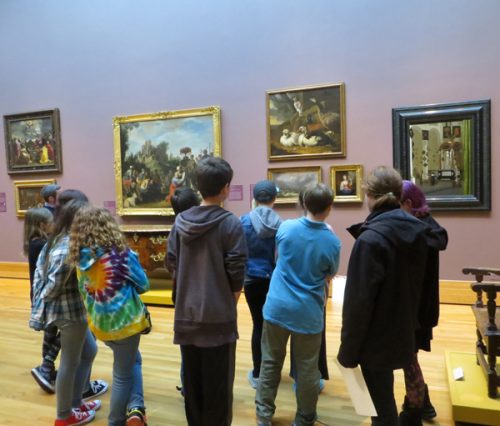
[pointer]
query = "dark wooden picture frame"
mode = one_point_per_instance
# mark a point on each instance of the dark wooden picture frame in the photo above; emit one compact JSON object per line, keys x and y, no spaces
{"x":453,"y":169}
{"x":33,"y":142}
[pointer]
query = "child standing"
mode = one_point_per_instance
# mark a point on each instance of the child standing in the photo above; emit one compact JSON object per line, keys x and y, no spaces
{"x":182,"y":199}
{"x":308,"y":255}
{"x":417,"y":404}
{"x":58,"y":303}
{"x":383,"y":287}
{"x":260,"y":227}
{"x":207,"y":250}
{"x":37,"y":226}
{"x":110,"y":278}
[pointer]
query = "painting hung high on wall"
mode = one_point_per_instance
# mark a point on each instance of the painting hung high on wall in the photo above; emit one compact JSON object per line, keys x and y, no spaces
{"x":27,"y":194}
{"x":346,"y":182}
{"x":33,"y":142}
{"x":306,"y":122}
{"x":157,"y":153}
{"x":291,"y":180}
{"x":445,"y":150}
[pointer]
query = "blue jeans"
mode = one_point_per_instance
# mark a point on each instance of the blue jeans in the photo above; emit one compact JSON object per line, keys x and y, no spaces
{"x":127,"y":390}
{"x":78,"y":350}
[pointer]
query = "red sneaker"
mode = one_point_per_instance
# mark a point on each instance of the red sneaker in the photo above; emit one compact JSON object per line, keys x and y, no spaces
{"x":77,"y":418}
{"x":91,"y":405}
{"x":137,"y":417}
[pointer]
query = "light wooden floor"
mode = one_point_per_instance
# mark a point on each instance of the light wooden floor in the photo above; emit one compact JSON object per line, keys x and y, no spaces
{"x":22,"y":402}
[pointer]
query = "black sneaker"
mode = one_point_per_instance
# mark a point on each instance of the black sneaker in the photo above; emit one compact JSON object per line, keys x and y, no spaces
{"x":97,"y":387}
{"x":46,"y":382}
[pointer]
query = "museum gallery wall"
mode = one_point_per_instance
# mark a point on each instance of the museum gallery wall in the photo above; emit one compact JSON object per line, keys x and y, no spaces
{"x":306,"y":92}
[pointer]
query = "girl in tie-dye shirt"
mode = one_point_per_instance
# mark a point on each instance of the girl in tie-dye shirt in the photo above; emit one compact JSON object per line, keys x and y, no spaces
{"x":110,"y":280}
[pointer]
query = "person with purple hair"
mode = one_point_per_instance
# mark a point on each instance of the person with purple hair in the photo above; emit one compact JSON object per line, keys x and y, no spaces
{"x":417,"y":402}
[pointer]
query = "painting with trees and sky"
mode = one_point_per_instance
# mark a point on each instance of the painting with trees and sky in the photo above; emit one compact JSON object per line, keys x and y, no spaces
{"x":158,"y":153}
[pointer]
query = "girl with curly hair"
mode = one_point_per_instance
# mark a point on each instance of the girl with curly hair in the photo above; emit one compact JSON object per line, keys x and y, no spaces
{"x":110,"y":279}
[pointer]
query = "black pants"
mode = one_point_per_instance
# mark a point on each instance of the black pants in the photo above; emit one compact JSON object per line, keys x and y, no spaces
{"x":50,"y":348}
{"x":380,"y":384}
{"x":208,"y":384}
{"x":255,"y":293}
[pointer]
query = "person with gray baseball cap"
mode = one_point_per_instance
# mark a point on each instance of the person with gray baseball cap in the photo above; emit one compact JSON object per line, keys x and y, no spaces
{"x":49,"y":194}
{"x":260,"y":227}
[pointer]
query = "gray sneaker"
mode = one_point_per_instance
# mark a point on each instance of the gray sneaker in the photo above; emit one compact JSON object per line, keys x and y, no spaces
{"x":254,"y":381}
{"x":44,"y":380}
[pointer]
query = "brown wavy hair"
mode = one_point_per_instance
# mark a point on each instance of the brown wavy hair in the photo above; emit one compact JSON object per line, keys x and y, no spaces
{"x":94,"y":227}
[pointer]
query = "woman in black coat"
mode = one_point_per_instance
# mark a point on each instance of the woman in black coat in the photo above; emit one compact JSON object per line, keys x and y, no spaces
{"x":384,"y":281}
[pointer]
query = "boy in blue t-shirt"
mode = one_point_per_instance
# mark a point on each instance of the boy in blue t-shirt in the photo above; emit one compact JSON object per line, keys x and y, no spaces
{"x":308,"y":255}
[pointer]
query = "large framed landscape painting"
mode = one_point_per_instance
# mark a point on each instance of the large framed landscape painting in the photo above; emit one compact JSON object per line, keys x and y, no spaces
{"x":27,"y":194}
{"x":445,"y":150}
{"x":157,"y":153}
{"x":33,"y":142}
{"x":291,"y":180}
{"x":306,"y":122}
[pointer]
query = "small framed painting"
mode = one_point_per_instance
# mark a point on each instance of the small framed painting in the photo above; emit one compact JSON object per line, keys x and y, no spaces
{"x":33,"y":142}
{"x":346,"y":182}
{"x":27,"y":194}
{"x":291,"y":180}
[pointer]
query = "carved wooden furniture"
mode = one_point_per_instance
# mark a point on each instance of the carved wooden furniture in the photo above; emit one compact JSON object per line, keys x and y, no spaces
{"x":487,"y":325}
{"x":149,"y":241}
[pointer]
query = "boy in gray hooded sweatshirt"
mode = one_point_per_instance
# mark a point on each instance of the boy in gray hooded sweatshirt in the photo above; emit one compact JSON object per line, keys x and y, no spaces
{"x":260,"y":227}
{"x":207,"y":251}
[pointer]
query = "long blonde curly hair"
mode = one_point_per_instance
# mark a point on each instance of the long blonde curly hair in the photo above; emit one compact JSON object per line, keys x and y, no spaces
{"x":93,"y":228}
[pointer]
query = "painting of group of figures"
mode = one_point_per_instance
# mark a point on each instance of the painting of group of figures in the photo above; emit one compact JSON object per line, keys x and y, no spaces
{"x":157,"y":153}
{"x":33,"y":142}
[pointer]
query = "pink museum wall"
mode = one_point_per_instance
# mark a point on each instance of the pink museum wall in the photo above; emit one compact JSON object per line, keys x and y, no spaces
{"x":96,"y":59}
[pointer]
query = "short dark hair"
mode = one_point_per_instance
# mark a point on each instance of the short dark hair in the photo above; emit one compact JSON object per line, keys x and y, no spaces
{"x":184,"y":198}
{"x":66,"y":196}
{"x":212,"y":175}
{"x":316,"y":198}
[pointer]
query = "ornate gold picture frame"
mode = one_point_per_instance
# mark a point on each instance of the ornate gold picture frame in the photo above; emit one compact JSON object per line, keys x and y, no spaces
{"x":306,"y":122}
{"x":346,"y":182}
{"x":291,"y":180}
{"x":157,"y":153}
{"x":27,"y":194}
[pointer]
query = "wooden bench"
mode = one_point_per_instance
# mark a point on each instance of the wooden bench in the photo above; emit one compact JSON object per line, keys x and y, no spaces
{"x":487,"y":325}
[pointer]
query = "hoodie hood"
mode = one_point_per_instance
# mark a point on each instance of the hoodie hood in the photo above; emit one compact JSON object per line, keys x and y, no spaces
{"x":265,"y":221}
{"x":88,"y":258}
{"x":397,"y":226}
{"x":197,"y":221}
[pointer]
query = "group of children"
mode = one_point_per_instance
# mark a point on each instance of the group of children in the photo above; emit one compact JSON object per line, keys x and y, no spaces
{"x":85,"y":285}
{"x":284,"y":267}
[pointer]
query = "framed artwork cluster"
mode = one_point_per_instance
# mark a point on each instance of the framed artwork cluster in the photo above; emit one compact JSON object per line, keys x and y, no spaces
{"x":308,"y":123}
{"x":32,"y":146}
{"x":345,"y":181}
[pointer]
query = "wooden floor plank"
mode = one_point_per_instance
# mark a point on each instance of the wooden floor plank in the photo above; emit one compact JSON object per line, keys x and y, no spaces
{"x":24,"y":404}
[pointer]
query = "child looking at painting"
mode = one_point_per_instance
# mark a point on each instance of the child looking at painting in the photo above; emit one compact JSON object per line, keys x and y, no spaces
{"x":110,"y":279}
{"x":38,"y":224}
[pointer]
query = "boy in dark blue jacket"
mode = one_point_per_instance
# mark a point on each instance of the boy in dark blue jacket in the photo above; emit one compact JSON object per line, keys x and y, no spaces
{"x":260,"y":227}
